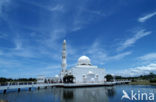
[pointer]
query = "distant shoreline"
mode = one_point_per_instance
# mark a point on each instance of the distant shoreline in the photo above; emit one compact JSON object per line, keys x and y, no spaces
{"x":142,"y":83}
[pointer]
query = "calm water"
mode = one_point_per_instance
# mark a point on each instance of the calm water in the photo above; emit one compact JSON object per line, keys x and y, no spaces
{"x":93,"y":94}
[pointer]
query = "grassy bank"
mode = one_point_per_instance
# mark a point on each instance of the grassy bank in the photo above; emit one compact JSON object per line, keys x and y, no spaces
{"x":142,"y":82}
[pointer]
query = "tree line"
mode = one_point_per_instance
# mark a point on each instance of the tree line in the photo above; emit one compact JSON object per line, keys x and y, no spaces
{"x":4,"y":80}
{"x":151,"y":77}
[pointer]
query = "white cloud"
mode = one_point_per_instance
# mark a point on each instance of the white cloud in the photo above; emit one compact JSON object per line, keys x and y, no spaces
{"x":20,"y":49}
{"x":58,"y":7}
{"x":129,"y":42}
{"x":141,"y":70}
{"x":18,"y":44}
{"x":3,"y":3}
{"x":146,"y":17}
{"x":9,"y":63}
{"x":149,"y":56}
{"x":97,"y":52}
{"x":119,"y":56}
{"x":3,"y":35}
{"x":76,"y":28}
{"x":47,"y":71}
{"x":53,"y":7}
{"x":96,"y":12}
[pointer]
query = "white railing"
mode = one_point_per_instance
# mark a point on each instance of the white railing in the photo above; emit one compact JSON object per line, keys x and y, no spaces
{"x":20,"y":85}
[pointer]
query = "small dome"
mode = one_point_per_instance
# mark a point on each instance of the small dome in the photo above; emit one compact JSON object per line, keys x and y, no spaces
{"x":90,"y":72}
{"x":56,"y":76}
{"x":84,"y":60}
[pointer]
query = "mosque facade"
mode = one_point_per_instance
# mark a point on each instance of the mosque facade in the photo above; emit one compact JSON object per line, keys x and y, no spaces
{"x":84,"y":71}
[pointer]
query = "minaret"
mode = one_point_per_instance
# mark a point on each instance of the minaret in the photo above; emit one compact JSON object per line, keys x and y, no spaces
{"x":64,"y":62}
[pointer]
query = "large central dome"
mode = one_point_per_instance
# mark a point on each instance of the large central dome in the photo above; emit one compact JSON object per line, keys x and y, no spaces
{"x":84,"y":60}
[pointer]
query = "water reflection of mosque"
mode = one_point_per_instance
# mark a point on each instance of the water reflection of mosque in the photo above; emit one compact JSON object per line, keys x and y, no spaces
{"x":95,"y":94}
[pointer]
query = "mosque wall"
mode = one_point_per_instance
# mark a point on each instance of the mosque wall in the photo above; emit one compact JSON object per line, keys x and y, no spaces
{"x":83,"y":75}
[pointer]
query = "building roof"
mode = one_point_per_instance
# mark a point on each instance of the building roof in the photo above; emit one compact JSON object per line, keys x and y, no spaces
{"x":84,"y":60}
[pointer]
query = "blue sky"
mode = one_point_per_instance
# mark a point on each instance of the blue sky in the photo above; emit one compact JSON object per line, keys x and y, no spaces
{"x":118,"y":35}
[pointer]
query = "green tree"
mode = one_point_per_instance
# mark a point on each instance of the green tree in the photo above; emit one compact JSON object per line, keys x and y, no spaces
{"x":109,"y":77}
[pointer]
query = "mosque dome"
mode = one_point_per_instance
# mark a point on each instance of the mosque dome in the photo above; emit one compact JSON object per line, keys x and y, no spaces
{"x":90,"y":72}
{"x":84,"y":60}
{"x":56,"y":76}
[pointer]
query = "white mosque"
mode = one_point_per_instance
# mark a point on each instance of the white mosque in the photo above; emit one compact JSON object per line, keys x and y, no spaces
{"x":84,"y":71}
